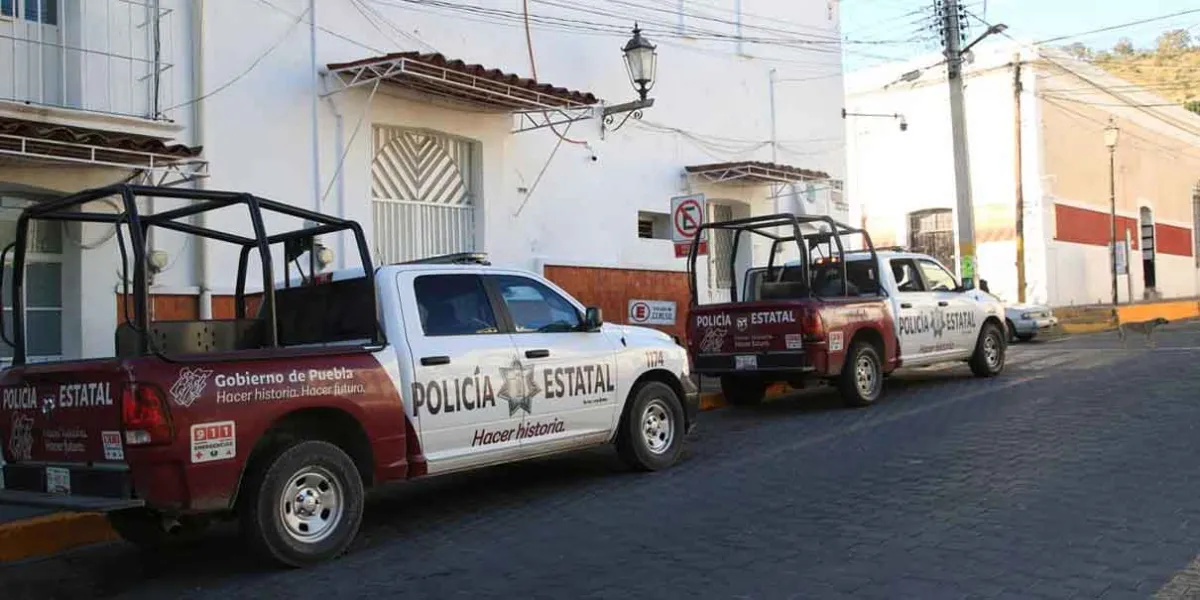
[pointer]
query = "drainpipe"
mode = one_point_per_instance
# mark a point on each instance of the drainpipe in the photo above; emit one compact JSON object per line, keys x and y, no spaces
{"x":198,"y":140}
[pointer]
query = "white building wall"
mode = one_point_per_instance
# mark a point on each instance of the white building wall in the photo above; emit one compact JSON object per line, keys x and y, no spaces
{"x":584,"y":207}
{"x":892,"y":173}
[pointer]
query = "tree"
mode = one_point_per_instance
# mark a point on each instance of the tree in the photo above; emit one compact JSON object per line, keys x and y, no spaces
{"x":1193,"y":106}
{"x":1175,"y":41}
{"x":1123,"y":48}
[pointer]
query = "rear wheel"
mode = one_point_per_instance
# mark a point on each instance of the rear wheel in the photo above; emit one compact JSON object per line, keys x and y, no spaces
{"x":861,"y":380}
{"x":305,"y":504}
{"x":651,"y":435}
{"x":988,"y":359}
{"x":743,"y":390}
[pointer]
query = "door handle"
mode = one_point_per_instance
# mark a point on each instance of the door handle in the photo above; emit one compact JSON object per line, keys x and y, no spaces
{"x":905,"y":305}
{"x":537,"y":353}
{"x":430,"y":361}
{"x":943,"y":303}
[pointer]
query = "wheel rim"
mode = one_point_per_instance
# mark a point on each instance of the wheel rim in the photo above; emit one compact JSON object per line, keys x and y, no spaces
{"x":864,"y":376}
{"x":658,"y":431}
{"x":991,"y":351}
{"x":311,"y":505}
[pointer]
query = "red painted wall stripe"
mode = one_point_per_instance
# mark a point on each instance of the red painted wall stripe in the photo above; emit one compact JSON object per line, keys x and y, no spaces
{"x":1170,"y":239}
{"x":1083,"y":226}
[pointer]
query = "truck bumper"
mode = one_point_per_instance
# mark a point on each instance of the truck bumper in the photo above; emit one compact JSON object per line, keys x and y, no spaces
{"x":91,"y":490}
{"x":691,"y":400}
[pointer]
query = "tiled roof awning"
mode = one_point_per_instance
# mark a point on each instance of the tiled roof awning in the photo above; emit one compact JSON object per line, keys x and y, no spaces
{"x":435,"y":75}
{"x":24,"y":141}
{"x":754,"y":173}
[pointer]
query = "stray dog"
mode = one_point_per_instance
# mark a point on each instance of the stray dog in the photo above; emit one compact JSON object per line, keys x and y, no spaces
{"x":1146,"y":328}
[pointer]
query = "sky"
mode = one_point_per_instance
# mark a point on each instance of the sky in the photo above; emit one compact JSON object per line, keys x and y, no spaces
{"x":901,"y":20}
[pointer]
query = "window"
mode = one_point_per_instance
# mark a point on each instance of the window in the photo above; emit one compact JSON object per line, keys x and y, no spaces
{"x":722,"y":247}
{"x":454,"y":305}
{"x":41,"y":11}
{"x":43,"y":285}
{"x":654,"y":226}
{"x":938,"y":279}
{"x":7,"y":9}
{"x":932,"y":232}
{"x":905,"y":273}
{"x":535,"y":307}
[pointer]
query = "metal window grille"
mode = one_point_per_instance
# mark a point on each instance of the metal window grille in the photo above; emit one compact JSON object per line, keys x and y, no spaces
{"x":932,"y":232}
{"x":646,"y":228}
{"x":97,"y":55}
{"x":423,"y":194}
{"x":720,"y":246}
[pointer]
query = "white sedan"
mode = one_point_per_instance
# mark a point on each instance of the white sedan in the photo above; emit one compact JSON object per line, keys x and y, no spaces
{"x":1024,"y":321}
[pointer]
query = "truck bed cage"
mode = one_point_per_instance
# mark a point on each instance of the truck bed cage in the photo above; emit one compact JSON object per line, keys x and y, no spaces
{"x":760,"y":225}
{"x":70,"y":209}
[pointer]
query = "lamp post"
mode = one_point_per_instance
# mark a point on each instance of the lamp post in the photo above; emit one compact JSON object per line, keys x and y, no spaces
{"x":1111,"y":135}
{"x":641,"y":63}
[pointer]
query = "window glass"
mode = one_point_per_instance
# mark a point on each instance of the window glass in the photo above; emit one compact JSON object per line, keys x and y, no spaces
{"x":905,"y":274}
{"x":535,"y":307}
{"x":454,"y":305}
{"x":938,"y":278}
{"x":43,"y":333}
{"x":42,"y":11}
{"x":7,"y":8}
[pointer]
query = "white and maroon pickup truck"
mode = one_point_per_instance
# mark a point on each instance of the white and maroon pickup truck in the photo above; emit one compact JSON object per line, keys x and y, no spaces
{"x":283,"y":417}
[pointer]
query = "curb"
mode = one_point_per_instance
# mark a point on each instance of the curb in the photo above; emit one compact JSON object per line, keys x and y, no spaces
{"x":51,"y":534}
{"x":1095,"y":319}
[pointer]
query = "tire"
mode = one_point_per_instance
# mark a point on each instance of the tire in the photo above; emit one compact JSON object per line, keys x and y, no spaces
{"x":652,"y":429}
{"x":861,"y":381}
{"x":988,"y":359}
{"x":743,"y":391}
{"x":1025,"y":337}
{"x":326,"y":477}
{"x":145,"y":528}
{"x":1012,"y":331}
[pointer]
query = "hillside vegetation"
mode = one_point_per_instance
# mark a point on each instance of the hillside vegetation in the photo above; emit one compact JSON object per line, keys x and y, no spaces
{"x":1171,"y":69}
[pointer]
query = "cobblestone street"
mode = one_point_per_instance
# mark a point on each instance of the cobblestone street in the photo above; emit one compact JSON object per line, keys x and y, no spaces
{"x":1071,"y":475}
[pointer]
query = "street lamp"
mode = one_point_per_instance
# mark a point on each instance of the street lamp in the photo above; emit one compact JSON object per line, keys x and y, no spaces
{"x":1111,"y":135}
{"x":640,"y":61}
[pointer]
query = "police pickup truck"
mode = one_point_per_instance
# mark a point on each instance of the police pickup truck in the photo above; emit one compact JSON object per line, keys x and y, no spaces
{"x":847,"y":317}
{"x":283,"y":415}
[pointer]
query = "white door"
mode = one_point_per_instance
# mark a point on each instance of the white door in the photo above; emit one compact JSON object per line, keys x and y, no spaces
{"x":460,"y":358}
{"x":915,"y":306}
{"x":32,"y":51}
{"x":958,"y":315}
{"x":572,"y":373}
{"x":43,"y":285}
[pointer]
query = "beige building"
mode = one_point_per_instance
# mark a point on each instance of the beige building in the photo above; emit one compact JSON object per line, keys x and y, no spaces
{"x":1036,"y":122}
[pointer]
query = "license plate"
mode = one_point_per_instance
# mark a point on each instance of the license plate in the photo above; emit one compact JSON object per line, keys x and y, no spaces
{"x":742,"y":363}
{"x":58,"y":480}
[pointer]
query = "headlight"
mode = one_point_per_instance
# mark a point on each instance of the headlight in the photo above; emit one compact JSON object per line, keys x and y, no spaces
{"x":1027,"y":315}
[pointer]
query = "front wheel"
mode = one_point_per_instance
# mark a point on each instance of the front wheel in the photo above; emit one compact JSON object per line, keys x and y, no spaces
{"x":988,"y":359}
{"x":305,"y":505}
{"x":651,"y":435}
{"x":861,"y":380}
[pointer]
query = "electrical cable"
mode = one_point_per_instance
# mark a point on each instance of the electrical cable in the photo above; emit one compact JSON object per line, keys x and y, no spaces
{"x":253,"y":65}
{"x":1114,"y":27}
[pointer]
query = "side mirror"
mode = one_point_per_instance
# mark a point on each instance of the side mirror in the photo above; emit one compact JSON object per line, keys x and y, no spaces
{"x":593,"y":318}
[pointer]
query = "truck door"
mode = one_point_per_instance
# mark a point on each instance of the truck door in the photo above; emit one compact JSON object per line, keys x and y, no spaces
{"x":960,"y":316}
{"x":573,"y":373}
{"x":914,"y":305}
{"x":460,"y":356}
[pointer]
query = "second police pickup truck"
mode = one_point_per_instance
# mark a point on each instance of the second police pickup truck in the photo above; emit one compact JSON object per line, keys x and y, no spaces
{"x":849,"y":317}
{"x":282,"y":417}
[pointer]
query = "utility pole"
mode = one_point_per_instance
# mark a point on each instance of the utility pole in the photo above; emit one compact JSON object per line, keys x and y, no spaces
{"x":1018,"y":175}
{"x":951,"y":13}
{"x":771,"y":93}
{"x":315,"y":83}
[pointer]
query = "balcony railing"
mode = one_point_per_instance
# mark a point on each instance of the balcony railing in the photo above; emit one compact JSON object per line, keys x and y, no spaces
{"x":107,"y":56}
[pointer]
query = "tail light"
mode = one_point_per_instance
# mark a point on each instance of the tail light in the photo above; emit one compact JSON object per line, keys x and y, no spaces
{"x":145,"y":416}
{"x":812,"y":325}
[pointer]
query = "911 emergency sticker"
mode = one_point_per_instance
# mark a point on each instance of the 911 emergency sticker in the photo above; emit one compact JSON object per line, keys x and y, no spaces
{"x":213,"y":441}
{"x":835,"y":341}
{"x":113,"y":450}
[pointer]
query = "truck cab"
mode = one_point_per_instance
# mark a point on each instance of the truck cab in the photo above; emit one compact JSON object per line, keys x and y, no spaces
{"x":282,"y":416}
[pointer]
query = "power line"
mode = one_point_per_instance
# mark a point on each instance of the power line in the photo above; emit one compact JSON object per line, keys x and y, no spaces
{"x":1118,"y":26}
{"x":253,"y":64}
